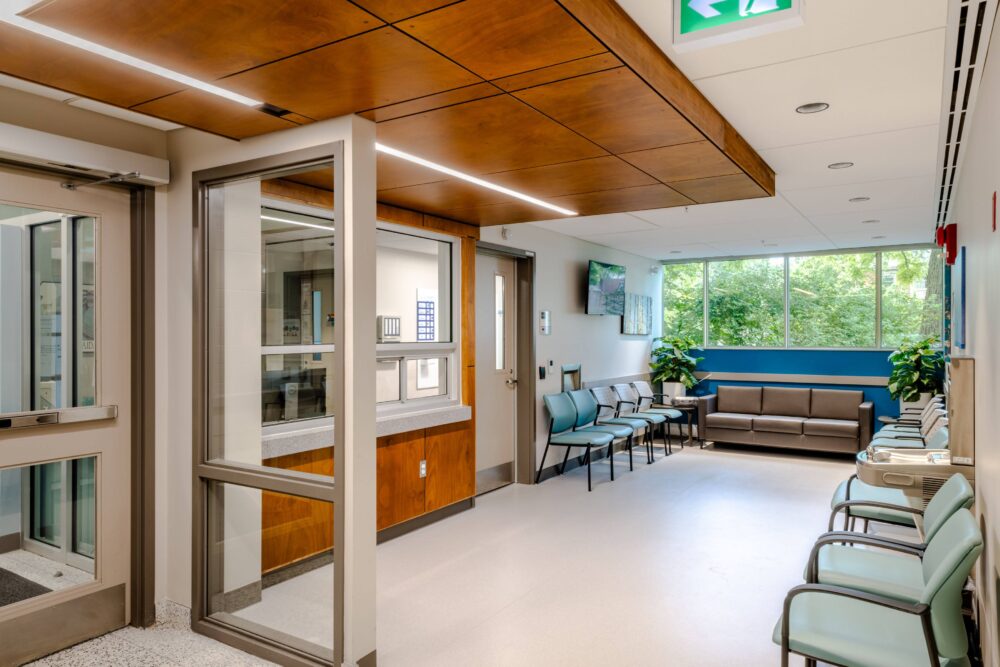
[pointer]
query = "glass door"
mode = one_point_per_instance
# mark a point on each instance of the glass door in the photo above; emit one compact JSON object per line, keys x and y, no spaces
{"x":65,"y":435}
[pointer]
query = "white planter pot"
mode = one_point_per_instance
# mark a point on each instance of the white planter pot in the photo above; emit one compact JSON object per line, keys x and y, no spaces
{"x":673,"y":389}
{"x":919,"y":403}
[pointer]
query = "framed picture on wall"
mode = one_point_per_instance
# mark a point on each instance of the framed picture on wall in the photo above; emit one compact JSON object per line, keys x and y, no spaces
{"x":638,"y":318}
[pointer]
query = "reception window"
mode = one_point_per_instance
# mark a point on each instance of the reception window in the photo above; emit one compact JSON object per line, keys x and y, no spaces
{"x":414,"y":329}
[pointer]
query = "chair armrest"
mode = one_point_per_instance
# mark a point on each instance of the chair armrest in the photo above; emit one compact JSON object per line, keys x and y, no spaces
{"x":848,"y":504}
{"x":919,"y":609}
{"x":601,"y":406}
{"x":706,"y":406}
{"x":839,"y":537}
{"x":866,"y":423}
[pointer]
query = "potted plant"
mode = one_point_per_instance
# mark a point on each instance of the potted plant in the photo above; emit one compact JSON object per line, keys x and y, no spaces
{"x":672,"y":365}
{"x":916,"y":372}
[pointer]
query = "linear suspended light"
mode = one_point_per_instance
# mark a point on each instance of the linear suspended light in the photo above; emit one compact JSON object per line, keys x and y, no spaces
{"x":382,"y":148}
{"x":296,"y":222}
{"x":10,"y":17}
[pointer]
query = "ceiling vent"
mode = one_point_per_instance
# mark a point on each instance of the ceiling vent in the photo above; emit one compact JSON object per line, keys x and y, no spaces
{"x":970,"y":23}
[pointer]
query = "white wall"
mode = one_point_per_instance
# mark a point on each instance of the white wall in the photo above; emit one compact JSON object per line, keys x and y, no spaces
{"x":595,"y":341}
{"x":973,"y":206}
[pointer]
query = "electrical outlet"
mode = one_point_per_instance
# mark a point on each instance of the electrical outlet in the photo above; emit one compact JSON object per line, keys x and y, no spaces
{"x":423,"y":469}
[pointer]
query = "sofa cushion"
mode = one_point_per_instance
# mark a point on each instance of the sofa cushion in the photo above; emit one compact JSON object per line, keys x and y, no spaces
{"x":837,"y":428}
{"x":787,"y":401}
{"x":741,"y":400}
{"x":836,"y":403}
{"x":776,"y":424}
{"x":729,"y":420}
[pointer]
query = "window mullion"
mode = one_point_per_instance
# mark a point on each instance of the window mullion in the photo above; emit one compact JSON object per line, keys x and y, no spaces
{"x":788,"y":340}
{"x":878,"y":299}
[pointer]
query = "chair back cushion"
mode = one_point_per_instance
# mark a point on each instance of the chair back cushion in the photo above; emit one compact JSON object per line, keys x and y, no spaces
{"x":953,"y":495}
{"x":928,"y":423}
{"x":643,"y":388}
{"x":586,"y":406}
{"x":560,"y":407}
{"x":786,"y":401}
{"x":605,"y":396}
{"x":836,"y":403}
{"x":742,"y":400}
{"x":938,"y":439}
{"x":627,"y":393}
{"x":946,"y":565}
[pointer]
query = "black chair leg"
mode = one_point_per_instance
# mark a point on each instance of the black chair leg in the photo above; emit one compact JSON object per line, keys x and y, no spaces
{"x":649,"y":444}
{"x":565,"y":459}
{"x":865,"y":528}
{"x":541,"y":467}
{"x":630,"y":465}
{"x":589,"y":485}
{"x":611,"y":459}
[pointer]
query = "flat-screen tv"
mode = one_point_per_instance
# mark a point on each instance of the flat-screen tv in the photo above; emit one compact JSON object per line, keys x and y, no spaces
{"x":605,"y":289}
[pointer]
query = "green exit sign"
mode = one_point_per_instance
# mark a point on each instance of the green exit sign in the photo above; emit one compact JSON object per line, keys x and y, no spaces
{"x":700,"y":23}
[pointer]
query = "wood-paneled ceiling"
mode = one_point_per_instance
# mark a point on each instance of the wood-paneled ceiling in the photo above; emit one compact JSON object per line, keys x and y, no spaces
{"x":568,"y":101}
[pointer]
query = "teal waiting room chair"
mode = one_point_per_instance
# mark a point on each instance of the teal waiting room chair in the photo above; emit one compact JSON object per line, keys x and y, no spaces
{"x":562,"y":421}
{"x":858,"y":500}
{"x":608,"y":408}
{"x":629,"y":405}
{"x":936,"y":438}
{"x":651,"y":401}
{"x":891,"y":619}
{"x":588,"y":420}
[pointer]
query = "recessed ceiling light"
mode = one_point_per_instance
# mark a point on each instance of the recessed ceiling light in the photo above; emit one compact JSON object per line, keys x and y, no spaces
{"x":858,"y":200}
{"x":8,"y":15}
{"x":876,"y":238}
{"x":870,"y":222}
{"x":295,"y":222}
{"x":471,"y":179}
{"x":840,"y":165}
{"x":675,"y":252}
{"x":813,"y":107}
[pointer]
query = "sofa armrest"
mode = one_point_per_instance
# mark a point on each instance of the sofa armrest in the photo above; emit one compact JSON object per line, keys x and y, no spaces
{"x":706,"y":405}
{"x":866,"y":422}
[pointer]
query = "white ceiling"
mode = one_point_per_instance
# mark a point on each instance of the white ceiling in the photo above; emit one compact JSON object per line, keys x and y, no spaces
{"x":878,"y":64}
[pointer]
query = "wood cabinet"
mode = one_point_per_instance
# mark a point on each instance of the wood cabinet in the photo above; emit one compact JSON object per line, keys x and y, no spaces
{"x":400,"y":488}
{"x":451,"y":464}
{"x":294,"y":528}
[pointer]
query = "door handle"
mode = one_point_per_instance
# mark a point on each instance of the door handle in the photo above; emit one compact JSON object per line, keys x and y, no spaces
{"x":511,"y":382}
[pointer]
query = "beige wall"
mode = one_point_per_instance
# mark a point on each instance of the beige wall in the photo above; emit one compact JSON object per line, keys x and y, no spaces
{"x":979,"y":179}
{"x":595,"y":341}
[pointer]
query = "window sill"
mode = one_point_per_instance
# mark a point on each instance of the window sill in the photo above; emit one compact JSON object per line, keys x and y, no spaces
{"x":415,"y":420}
{"x":311,"y":437}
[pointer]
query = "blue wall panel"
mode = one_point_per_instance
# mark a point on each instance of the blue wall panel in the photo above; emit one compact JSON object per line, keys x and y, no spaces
{"x":803,"y":362}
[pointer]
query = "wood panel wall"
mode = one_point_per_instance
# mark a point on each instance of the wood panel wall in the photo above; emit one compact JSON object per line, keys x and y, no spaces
{"x":296,"y":528}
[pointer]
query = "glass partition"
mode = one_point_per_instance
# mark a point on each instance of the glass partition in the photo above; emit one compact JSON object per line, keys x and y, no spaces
{"x":48,"y":301}
{"x":48,"y":524}
{"x":414,"y":285}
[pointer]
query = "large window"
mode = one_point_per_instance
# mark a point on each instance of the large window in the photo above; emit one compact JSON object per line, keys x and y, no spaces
{"x":684,"y":300}
{"x":746,"y":303}
{"x":819,"y":300}
{"x":831,"y":300}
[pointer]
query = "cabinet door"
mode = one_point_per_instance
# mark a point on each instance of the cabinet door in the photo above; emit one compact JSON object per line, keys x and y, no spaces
{"x":294,"y":528}
{"x":399,"y":484}
{"x":451,"y":464}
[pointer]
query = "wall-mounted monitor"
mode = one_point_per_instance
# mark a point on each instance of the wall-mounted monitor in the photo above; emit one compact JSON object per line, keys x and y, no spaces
{"x":605,"y":289}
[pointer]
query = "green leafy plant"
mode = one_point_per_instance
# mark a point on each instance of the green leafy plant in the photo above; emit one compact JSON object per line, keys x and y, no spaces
{"x":670,"y":361}
{"x":916,"y":369}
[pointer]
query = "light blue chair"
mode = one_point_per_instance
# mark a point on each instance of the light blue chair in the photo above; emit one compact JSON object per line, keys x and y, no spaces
{"x":916,"y":624}
{"x":562,"y":421}
{"x":628,"y":406}
{"x":858,"y":500}
{"x":607,"y":406}
{"x":936,"y":439}
{"x":588,"y":419}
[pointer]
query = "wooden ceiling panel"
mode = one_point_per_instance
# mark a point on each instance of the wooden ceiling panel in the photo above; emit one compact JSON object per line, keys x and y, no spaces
{"x":29,"y":56}
{"x":614,"y":109}
{"x":316,"y":178}
{"x":497,"y":39}
{"x":485,"y":136}
{"x":391,"y":172}
{"x":442,"y":196}
{"x":593,"y":175}
{"x":207,"y":39}
{"x":466,"y":94}
{"x":368,"y":71}
{"x":397,"y":10}
{"x":213,"y":114}
{"x":559,"y":72}
{"x":698,"y":159}
{"x":720,"y":188}
{"x":590,"y":203}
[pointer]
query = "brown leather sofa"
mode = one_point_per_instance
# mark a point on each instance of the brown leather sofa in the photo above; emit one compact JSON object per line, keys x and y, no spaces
{"x":831,"y":420}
